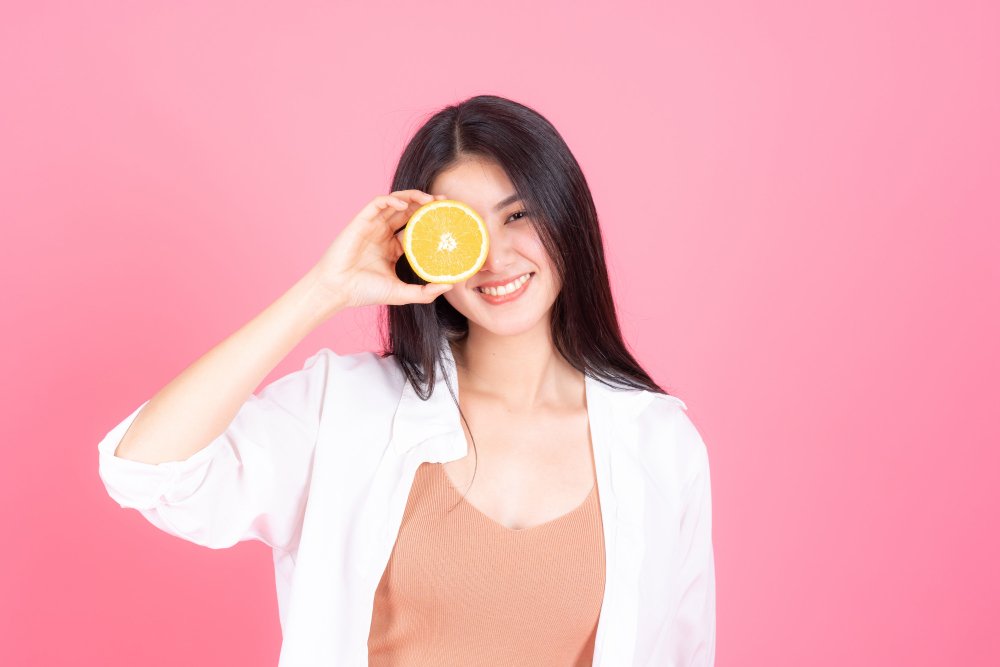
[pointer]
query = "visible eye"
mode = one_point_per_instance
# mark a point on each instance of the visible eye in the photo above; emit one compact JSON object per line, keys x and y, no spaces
{"x":520,"y":213}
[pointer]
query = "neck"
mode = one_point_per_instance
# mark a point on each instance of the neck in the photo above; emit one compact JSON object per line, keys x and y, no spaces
{"x":523,"y":371}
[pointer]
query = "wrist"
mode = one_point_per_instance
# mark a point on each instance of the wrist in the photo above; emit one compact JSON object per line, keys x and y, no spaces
{"x":319,"y":298}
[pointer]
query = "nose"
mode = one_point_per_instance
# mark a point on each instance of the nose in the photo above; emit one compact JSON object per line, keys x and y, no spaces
{"x":499,"y":255}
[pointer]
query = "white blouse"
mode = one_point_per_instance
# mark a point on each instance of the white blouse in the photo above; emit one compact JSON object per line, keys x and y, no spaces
{"x":319,"y":465}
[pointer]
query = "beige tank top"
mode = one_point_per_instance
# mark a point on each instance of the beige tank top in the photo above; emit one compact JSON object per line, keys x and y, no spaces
{"x":462,"y":589}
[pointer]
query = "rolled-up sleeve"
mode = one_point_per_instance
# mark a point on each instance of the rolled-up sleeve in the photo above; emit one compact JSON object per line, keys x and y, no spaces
{"x":249,"y":483}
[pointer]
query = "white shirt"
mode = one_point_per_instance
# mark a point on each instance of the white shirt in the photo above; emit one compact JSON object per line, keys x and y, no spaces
{"x":319,"y":465}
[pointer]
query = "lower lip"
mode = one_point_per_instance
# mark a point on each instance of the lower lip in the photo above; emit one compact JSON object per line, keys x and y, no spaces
{"x":506,"y":298}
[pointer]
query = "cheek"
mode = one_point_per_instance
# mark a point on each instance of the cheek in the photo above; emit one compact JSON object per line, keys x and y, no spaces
{"x":530,"y":245}
{"x":551,"y":274}
{"x":533,"y":249}
{"x":457,"y":297}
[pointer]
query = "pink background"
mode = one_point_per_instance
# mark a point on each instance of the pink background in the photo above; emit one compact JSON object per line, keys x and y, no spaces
{"x":800,"y":209}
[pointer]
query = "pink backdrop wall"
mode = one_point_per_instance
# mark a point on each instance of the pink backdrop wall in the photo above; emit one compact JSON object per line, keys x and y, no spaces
{"x":800,"y":209}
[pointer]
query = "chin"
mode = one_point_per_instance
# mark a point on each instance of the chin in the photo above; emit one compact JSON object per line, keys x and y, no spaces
{"x":509,"y":324}
{"x":507,"y":327}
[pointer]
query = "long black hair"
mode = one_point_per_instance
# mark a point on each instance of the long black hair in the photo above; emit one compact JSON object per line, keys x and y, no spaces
{"x":549,"y":181}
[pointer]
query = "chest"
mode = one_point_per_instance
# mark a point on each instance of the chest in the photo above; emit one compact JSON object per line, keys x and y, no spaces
{"x":522,"y":471}
{"x":359,"y":493}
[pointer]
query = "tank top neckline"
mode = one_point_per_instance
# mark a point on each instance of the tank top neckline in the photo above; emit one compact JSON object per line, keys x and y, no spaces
{"x":440,"y":471}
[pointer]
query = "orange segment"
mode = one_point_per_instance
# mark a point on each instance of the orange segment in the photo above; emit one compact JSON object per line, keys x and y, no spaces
{"x":445,"y":241}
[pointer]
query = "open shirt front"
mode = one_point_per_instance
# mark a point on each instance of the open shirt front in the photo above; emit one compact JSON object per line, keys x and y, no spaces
{"x":318,"y":465}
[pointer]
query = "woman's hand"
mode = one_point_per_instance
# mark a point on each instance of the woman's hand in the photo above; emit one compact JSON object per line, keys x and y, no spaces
{"x":359,"y":267}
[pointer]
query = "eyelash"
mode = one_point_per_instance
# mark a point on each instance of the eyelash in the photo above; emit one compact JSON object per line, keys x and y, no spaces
{"x":522,"y":213}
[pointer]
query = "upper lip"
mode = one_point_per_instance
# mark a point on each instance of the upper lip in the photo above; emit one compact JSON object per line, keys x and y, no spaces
{"x":498,"y":283}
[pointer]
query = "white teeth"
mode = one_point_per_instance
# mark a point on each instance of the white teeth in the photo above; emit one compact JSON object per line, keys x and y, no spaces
{"x":512,"y":286}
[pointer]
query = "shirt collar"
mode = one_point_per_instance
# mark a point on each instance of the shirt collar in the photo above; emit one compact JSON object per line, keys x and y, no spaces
{"x":417,"y":420}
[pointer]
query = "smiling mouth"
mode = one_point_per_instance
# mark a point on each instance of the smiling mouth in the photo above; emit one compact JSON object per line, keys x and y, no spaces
{"x":507,"y":292}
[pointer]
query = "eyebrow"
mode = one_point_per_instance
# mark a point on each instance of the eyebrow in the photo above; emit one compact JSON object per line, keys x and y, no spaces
{"x":506,"y":201}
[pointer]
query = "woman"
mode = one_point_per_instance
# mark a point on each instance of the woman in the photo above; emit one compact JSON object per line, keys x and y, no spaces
{"x":577,"y":527}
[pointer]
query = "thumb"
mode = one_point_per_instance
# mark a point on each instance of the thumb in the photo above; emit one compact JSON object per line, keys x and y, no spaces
{"x":430,"y":291}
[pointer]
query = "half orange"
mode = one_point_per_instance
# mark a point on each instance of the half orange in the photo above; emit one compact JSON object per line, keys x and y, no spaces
{"x":445,"y":241}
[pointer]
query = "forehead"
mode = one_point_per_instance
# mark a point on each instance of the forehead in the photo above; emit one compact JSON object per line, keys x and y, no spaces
{"x":472,"y":179}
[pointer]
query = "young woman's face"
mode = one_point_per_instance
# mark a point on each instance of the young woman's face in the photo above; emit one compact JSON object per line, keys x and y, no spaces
{"x":515,"y":250}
